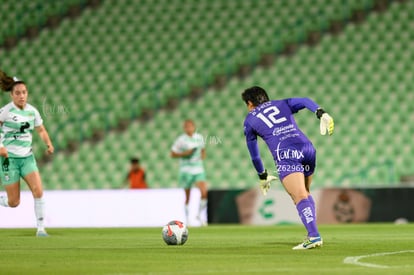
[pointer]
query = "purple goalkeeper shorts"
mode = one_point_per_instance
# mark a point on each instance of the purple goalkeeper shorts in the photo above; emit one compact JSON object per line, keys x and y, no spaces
{"x":294,"y":158}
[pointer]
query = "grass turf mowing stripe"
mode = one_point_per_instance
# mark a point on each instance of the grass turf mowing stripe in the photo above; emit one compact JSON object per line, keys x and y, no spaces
{"x":228,"y":249}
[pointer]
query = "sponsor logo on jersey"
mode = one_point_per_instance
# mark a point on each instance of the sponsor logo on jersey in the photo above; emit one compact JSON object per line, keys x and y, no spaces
{"x":288,"y":153}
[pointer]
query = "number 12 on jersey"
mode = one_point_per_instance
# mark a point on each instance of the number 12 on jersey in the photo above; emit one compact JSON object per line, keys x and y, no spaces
{"x":269,"y":116}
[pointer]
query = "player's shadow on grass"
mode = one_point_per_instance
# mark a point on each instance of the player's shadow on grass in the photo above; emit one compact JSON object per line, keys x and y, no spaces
{"x":289,"y":244}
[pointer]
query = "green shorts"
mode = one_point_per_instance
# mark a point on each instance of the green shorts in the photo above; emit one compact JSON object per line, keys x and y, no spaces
{"x":186,"y":180}
{"x":18,"y":167}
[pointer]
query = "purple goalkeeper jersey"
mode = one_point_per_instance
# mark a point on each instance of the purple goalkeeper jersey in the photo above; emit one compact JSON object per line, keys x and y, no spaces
{"x":273,"y":121}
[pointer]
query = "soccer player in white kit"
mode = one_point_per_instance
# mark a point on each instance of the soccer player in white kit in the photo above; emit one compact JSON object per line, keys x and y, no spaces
{"x":190,"y":149}
{"x":18,"y":119}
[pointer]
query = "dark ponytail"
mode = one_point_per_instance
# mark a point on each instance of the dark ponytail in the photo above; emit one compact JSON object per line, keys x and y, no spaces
{"x":7,"y":83}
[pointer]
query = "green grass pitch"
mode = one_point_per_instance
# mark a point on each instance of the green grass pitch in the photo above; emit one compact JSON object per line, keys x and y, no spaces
{"x":228,"y":249}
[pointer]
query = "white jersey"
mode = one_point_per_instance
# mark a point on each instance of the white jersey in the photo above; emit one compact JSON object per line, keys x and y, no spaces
{"x":192,"y":164}
{"x":17,"y":127}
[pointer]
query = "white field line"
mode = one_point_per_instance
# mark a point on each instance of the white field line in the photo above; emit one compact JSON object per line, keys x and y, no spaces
{"x":355,"y":259}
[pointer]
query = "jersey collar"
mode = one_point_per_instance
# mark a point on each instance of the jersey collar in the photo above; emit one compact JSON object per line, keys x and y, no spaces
{"x":18,"y":108}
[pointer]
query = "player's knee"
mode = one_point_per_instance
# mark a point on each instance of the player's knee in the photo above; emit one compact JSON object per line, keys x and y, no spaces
{"x":203,"y":188}
{"x":37,"y":192}
{"x":299,"y":197}
{"x":14,"y":202}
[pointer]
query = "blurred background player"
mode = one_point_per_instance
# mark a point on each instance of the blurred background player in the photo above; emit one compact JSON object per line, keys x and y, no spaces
{"x":136,"y":175}
{"x":18,"y":119}
{"x":189,"y":148}
{"x":292,"y":151}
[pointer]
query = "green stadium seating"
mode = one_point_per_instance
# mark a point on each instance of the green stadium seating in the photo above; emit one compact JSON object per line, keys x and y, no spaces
{"x":142,"y":47}
{"x":18,"y":16}
{"x":168,"y":57}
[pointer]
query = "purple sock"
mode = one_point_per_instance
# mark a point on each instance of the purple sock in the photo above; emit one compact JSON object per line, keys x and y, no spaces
{"x":307,"y":215}
{"x":310,"y":198}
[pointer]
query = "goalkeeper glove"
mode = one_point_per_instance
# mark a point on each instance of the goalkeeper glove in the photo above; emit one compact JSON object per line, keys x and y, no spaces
{"x":327,"y":122}
{"x":265,"y":180}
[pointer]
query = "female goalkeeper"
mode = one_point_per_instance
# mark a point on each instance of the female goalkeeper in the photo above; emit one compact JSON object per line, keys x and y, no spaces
{"x":17,"y":120}
{"x":292,"y":151}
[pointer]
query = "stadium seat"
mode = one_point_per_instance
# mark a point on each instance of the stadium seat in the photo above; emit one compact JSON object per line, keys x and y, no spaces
{"x":141,"y":55}
{"x":158,"y":42}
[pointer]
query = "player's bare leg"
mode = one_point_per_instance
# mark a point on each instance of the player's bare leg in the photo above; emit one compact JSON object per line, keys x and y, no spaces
{"x":202,"y":186}
{"x":35,"y":184}
{"x":13,"y":195}
{"x":308,"y":182}
{"x":295,"y":185}
{"x":187,"y":192}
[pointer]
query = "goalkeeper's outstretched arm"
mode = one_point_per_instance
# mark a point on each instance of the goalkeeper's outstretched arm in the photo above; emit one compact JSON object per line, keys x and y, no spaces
{"x":251,"y":142}
{"x":255,"y":155}
{"x":326,"y":124}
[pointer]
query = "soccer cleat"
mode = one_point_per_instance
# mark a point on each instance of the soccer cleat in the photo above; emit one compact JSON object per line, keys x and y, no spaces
{"x":310,"y":242}
{"x":41,"y":233}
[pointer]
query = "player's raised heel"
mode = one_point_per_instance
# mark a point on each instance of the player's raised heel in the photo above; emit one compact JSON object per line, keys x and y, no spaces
{"x":309,"y":243}
{"x":41,"y":233}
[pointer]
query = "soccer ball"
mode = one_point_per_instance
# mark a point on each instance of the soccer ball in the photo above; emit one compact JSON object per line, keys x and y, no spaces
{"x":175,"y":233}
